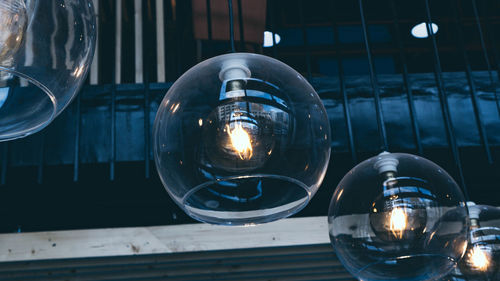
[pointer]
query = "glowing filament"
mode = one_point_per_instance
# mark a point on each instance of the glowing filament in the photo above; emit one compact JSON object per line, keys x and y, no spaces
{"x":398,"y":222}
{"x":478,"y":258}
{"x":240,"y":140}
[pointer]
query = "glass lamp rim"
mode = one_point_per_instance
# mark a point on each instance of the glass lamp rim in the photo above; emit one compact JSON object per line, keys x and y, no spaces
{"x":42,"y":125}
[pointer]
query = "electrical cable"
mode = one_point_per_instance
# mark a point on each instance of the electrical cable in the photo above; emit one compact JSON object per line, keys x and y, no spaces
{"x":231,"y":25}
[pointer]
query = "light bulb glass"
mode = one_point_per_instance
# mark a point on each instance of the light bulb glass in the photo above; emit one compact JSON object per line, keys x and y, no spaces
{"x":241,"y":139}
{"x":398,"y":217}
{"x":45,"y":51}
{"x":482,"y":258}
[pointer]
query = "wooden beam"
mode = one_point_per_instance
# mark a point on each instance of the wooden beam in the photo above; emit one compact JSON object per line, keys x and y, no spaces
{"x":160,"y":239}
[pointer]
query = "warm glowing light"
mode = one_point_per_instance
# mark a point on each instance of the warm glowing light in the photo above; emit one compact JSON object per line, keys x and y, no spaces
{"x":240,"y":140}
{"x":398,"y":222}
{"x":478,"y":259}
{"x":200,"y":122}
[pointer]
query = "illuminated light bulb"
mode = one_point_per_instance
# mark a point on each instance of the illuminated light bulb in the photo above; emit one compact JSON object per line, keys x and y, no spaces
{"x":13,"y":24}
{"x":478,"y":259}
{"x":398,"y":222}
{"x":253,"y":137}
{"x":240,"y":141}
{"x":482,"y":258}
{"x":398,"y":217}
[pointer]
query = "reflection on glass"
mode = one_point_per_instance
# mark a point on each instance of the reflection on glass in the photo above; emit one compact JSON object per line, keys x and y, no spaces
{"x":390,"y":219}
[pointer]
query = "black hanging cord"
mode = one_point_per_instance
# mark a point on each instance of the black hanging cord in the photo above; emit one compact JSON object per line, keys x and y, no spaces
{"x":231,"y":25}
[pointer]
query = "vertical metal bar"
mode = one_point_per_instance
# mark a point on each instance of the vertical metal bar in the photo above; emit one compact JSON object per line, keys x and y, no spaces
{"x":94,"y":67}
{"x":139,"y":66}
{"x":444,"y":100}
{"x":468,"y":71}
{"x":485,"y":52}
{"x":160,"y":42}
{"x":113,"y":133}
{"x":41,"y":158}
{"x":406,"y":81}
{"x":5,"y":163}
{"x":304,"y":36}
{"x":242,"y":31}
{"x":147,"y":61}
{"x":345,"y":100}
{"x":116,"y":80}
{"x":76,"y":157}
{"x":209,"y":28}
{"x":273,"y":26}
{"x":373,"y":80}
{"x":118,"y":42}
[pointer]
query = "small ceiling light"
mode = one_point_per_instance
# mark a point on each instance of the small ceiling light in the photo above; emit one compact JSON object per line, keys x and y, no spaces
{"x":52,"y":58}
{"x":241,"y":139}
{"x":398,"y":217}
{"x":268,"y":39}
{"x":420,"y":30}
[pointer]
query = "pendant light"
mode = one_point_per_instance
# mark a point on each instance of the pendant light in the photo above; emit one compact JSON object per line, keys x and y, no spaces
{"x":46,"y":47}
{"x":481,"y":261}
{"x":241,"y":139}
{"x":398,"y":216}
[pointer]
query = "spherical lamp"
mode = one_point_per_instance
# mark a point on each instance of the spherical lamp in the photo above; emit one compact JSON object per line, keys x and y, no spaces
{"x":481,"y":261}
{"x":241,"y":139}
{"x":398,"y":216}
{"x":46,"y":47}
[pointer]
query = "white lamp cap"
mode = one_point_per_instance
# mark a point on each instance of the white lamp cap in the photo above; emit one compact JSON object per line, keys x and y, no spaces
{"x":386,"y":162}
{"x":234,"y":69}
{"x":474,"y":210}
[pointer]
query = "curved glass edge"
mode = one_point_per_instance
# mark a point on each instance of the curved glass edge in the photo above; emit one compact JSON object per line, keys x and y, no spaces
{"x":42,"y":125}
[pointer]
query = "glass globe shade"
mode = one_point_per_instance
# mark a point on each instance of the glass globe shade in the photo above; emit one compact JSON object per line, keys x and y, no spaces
{"x":47,"y":47}
{"x":398,"y":216}
{"x":241,"y":139}
{"x":482,"y":258}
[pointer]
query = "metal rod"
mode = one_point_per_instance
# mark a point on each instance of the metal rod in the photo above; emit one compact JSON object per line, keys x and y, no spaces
{"x":76,"y":157}
{"x":209,"y":27}
{"x":485,"y":52}
{"x":345,"y":100}
{"x":304,"y":37}
{"x":468,"y":71}
{"x":5,"y":163}
{"x":242,"y":32}
{"x":373,"y":80}
{"x":41,"y":158}
{"x":406,"y":81}
{"x":444,"y":101}
{"x":273,"y":27}
{"x":147,"y":109}
{"x":231,"y":25}
{"x":116,"y":80}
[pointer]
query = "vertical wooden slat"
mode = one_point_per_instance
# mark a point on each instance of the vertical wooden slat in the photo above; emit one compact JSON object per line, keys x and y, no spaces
{"x":94,"y":67}
{"x":118,"y":42}
{"x":139,"y":66}
{"x":160,"y":42}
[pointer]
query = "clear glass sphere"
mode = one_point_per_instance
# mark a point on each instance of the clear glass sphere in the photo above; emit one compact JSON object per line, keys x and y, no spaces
{"x":241,"y":139}
{"x":398,"y":216}
{"x":481,"y":261}
{"x":46,"y":48}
